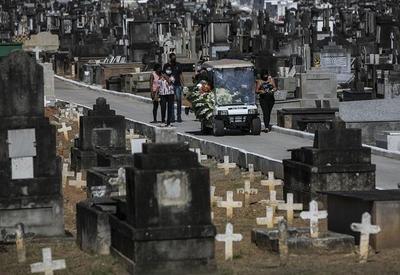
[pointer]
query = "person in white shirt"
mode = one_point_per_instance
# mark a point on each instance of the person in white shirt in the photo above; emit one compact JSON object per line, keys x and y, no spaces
{"x":167,"y":97}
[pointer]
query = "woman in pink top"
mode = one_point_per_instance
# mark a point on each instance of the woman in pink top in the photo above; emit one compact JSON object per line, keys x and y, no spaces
{"x":155,"y":89}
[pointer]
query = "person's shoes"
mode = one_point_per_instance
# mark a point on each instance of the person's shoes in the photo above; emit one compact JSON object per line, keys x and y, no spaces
{"x":154,"y":121}
{"x":163,"y":122}
{"x":179,"y":121}
{"x":266,"y":130}
{"x":173,"y":121}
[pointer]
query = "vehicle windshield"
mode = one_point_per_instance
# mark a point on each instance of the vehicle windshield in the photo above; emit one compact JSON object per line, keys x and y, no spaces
{"x":235,"y":86}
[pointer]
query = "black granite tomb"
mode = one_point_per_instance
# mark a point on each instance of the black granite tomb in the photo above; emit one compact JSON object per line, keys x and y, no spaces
{"x":30,"y":171}
{"x":336,"y":162}
{"x":165,"y":224}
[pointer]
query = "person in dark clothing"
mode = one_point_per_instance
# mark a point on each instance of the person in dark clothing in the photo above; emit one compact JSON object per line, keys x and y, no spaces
{"x":266,"y":89}
{"x":174,"y":69}
{"x":155,"y":89}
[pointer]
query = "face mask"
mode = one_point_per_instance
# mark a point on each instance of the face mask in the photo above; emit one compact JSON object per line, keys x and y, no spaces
{"x":168,"y":71}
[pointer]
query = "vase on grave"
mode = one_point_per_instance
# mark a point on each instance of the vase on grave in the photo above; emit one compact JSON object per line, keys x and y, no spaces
{"x":30,"y":171}
{"x":336,"y":162}
{"x":165,"y":223}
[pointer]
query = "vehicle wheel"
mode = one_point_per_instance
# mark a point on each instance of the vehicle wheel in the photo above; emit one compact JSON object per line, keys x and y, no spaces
{"x":204,"y":129}
{"x":218,"y":128}
{"x":255,"y":127}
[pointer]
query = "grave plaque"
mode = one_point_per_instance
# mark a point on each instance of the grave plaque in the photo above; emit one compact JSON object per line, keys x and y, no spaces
{"x":168,"y":223}
{"x":30,"y":171}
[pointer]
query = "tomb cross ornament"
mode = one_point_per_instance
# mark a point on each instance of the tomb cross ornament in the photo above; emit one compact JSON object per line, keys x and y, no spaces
{"x":314,"y":216}
{"x":269,"y":220}
{"x":247,"y":191}
{"x":226,"y":165}
{"x":229,"y":237}
{"x":48,"y":265}
{"x":229,"y":204}
{"x":251,"y":174}
{"x":273,"y":202}
{"x":289,"y":207}
{"x":66,"y":174}
{"x":78,"y":182}
{"x":365,"y":228}
{"x":271,"y":182}
{"x":214,"y":198}
{"x":200,"y":157}
{"x":64,"y":129}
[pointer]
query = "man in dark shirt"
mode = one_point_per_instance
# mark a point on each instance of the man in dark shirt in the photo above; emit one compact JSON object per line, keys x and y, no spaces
{"x":174,"y":69}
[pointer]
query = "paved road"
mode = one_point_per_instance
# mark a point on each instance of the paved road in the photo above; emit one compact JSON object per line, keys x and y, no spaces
{"x":274,"y":145}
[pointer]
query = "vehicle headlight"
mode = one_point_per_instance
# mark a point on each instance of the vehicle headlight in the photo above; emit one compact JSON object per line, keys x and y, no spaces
{"x":222,"y":113}
{"x":253,"y":111}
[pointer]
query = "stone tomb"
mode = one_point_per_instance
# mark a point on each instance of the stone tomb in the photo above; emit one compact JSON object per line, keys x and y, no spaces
{"x":99,"y":182}
{"x":336,"y":162}
{"x":30,"y":171}
{"x":383,"y":205}
{"x":168,"y":215}
{"x":101,"y":133}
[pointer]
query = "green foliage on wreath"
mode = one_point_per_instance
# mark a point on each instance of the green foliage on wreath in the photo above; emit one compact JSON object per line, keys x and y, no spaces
{"x":202,"y":104}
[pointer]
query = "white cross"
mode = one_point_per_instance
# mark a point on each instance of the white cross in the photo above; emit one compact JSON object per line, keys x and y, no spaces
{"x":200,"y":157}
{"x":273,"y":202}
{"x":120,"y":182}
{"x":314,"y":216}
{"x":78,"y":182}
{"x":269,"y":220}
{"x":64,"y":129}
{"x":48,"y":265}
{"x":226,"y":165}
{"x":131,"y":135}
{"x":251,"y":174}
{"x":229,"y":237}
{"x":20,"y":243}
{"x":66,"y":174}
{"x":289,"y":207}
{"x":214,"y":198}
{"x":229,"y":204}
{"x":365,"y":228}
{"x":271,"y":182}
{"x":247,"y":191}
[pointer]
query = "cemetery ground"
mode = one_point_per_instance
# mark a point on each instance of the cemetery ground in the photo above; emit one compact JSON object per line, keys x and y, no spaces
{"x":247,"y":258}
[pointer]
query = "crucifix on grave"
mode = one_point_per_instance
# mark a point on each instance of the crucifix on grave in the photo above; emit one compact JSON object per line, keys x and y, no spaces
{"x":273,"y":202}
{"x":247,"y":191}
{"x":251,"y":174}
{"x":48,"y":265}
{"x":226,"y":165}
{"x":64,"y":129}
{"x":365,"y":228}
{"x":66,"y":173}
{"x":314,"y":216}
{"x":289,"y":207}
{"x":214,"y":198}
{"x":229,"y":204}
{"x":271,"y":182}
{"x":229,"y":237}
{"x":78,"y":182}
{"x":269,"y":220}
{"x":131,"y":135}
{"x":200,"y":157}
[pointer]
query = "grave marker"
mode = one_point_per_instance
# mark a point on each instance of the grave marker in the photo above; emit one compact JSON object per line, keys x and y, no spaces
{"x":283,"y":241}
{"x":131,"y":135}
{"x":137,"y":145}
{"x":229,"y":237}
{"x":66,"y":173}
{"x":120,"y":182}
{"x":226,"y":165}
{"x":273,"y":202}
{"x":269,"y":220}
{"x":214,"y":198}
{"x":247,"y":191}
{"x":365,"y":228}
{"x":64,"y":129}
{"x":20,"y":243}
{"x":229,"y":204}
{"x":271,"y":182}
{"x":314,"y":216}
{"x":200,"y":157}
{"x":251,"y":174}
{"x":289,"y":207}
{"x":48,"y":265}
{"x":78,"y":182}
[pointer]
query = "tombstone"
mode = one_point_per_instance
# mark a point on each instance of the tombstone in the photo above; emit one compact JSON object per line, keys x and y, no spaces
{"x":289,"y":207}
{"x":336,"y":162}
{"x":100,"y":131}
{"x":30,"y":171}
{"x":48,"y":265}
{"x":168,"y":191}
{"x":49,"y":91}
{"x":335,"y":59}
{"x":389,"y":140}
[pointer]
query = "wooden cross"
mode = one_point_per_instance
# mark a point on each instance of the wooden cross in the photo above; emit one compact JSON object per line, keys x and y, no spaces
{"x":20,"y":243}
{"x":251,"y":174}
{"x":273,"y":202}
{"x":365,"y":228}
{"x":214,"y":198}
{"x":66,"y":174}
{"x":271,"y":182}
{"x":78,"y":182}
{"x":269,"y":220}
{"x":48,"y":265}
{"x":64,"y":129}
{"x":289,"y":207}
{"x":314,"y":216}
{"x":247,"y":191}
{"x":226,"y":165}
{"x":229,"y":204}
{"x":229,"y":238}
{"x":283,"y":241}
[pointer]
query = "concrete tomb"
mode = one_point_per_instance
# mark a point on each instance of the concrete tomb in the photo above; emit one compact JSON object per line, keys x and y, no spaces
{"x":336,"y":162}
{"x":30,"y":171}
